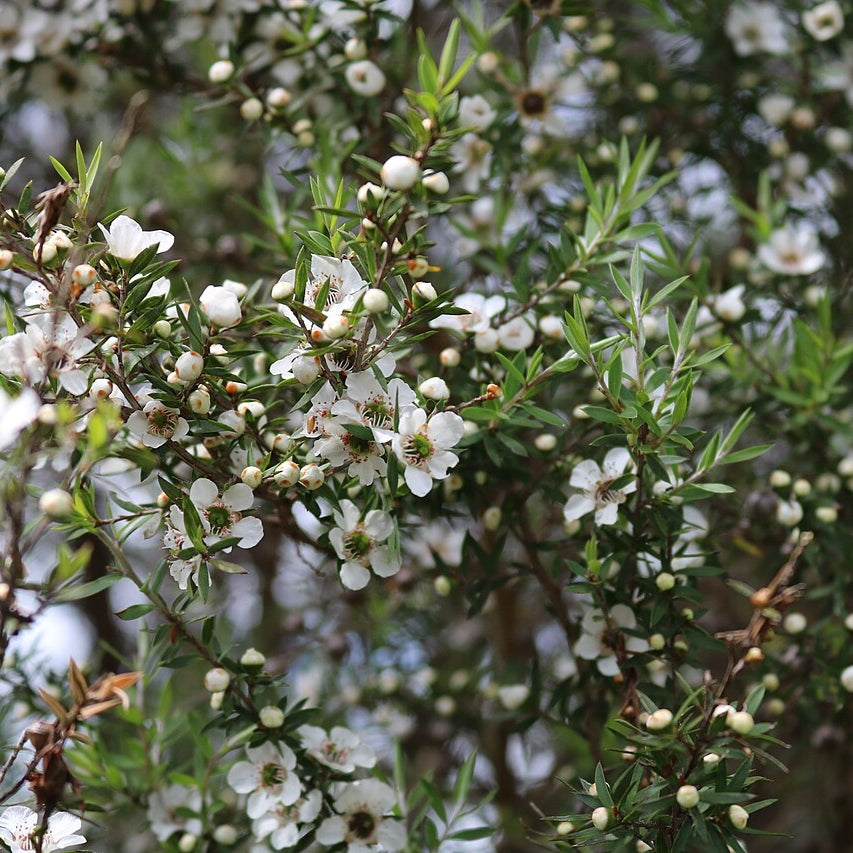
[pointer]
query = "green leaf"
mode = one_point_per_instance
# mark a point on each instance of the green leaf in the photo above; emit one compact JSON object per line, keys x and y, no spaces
{"x":84,"y":590}
{"x":602,"y":789}
{"x":135,"y":611}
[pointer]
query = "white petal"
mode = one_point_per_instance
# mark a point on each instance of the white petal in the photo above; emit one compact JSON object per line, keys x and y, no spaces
{"x":608,"y":666}
{"x":586,"y":475}
{"x":607,"y":514}
{"x":354,"y":576}
{"x":578,"y":505}
{"x":203,"y":492}
{"x":616,"y":461}
{"x":238,"y":497}
{"x":250,"y":531}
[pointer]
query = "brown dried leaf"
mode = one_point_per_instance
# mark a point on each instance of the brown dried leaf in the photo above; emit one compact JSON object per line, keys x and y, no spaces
{"x":55,"y":706}
{"x":77,"y":682}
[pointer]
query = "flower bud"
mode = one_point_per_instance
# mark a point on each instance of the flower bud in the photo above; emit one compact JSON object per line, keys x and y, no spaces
{"x":545,"y":442}
{"x":287,"y":474}
{"x":216,"y":700}
{"x":311,"y":476}
{"x":826,"y":514}
{"x":442,"y":587}
{"x":189,"y":366}
{"x":780,"y":479}
{"x":436,"y":182}
{"x":417,"y":267}
{"x":400,"y":172}
{"x":252,"y":476}
{"x":659,"y":720}
{"x":513,"y":696}
{"x":45,"y":253}
{"x":225,"y":834}
{"x":162,"y":328}
{"x":7,"y":258}
{"x":278,"y":98}
{"x":251,"y":109}
{"x":846,"y":679}
{"x":450,"y":357}
{"x":422,"y":292}
{"x":794,"y":623}
{"x":564,"y":827}
{"x":687,"y":796}
{"x":187,"y":842}
{"x":199,"y":401}
{"x":354,"y":49}
{"x":492,"y":518}
{"x":216,"y":680}
{"x":754,"y":655}
{"x":101,"y":388}
{"x":740,"y":722}
{"x":657,"y":641}
{"x":434,"y":388}
{"x":375,"y":300}
{"x":336,"y":327}
{"x":83,"y":275}
{"x":56,"y":504}
{"x":271,"y":716}
{"x":370,"y":192}
{"x":711,"y":758}
{"x":738,"y":816}
{"x":252,"y":659}
{"x":221,"y":71}
{"x":665,"y":581}
{"x":600,"y":818}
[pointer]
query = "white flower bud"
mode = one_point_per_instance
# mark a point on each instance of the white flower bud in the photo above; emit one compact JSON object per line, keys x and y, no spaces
{"x":740,"y":722}
{"x":846,"y":679}
{"x":235,"y":423}
{"x":252,"y":476}
{"x":221,"y":306}
{"x":283,"y":288}
{"x":271,"y":716}
{"x":794,"y":623}
{"x":216,"y":700}
{"x":278,"y":98}
{"x":311,"y":476}
{"x":226,"y":834}
{"x":216,"y":680}
{"x":336,"y":327}
{"x":789,"y":513}
{"x":189,"y":366}
{"x":56,"y":504}
{"x":545,"y":442}
{"x":738,"y":816}
{"x":434,"y":388}
{"x":826,"y":514}
{"x":600,"y":818}
{"x":687,"y":796}
{"x":355,"y":48}
{"x":255,"y":408}
{"x":287,"y":474}
{"x":45,"y":253}
{"x":513,"y":696}
{"x":370,"y":192}
{"x":418,"y":266}
{"x":423,"y":291}
{"x":84,"y":275}
{"x":486,"y":341}
{"x":400,"y":172}
{"x":564,"y":827}
{"x":492,"y":518}
{"x":801,"y":487}
{"x":780,"y":479}
{"x":375,"y":300}
{"x":187,"y":842}
{"x":436,"y":182}
{"x":442,"y":586}
{"x":367,"y":79}
{"x":838,"y":140}
{"x":7,"y":258}
{"x":711,"y":758}
{"x":251,"y":109}
{"x":221,"y":71}
{"x":445,"y":706}
{"x":770,"y":681}
{"x":60,"y":240}
{"x":199,"y":401}
{"x":101,"y":388}
{"x":253,"y":659}
{"x":659,"y":720}
{"x":162,"y":329}
{"x":848,"y":621}
{"x":665,"y":581}
{"x":306,"y":369}
{"x":657,"y":641}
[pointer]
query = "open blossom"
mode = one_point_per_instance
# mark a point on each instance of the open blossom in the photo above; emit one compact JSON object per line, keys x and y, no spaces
{"x":221,"y":306}
{"x":18,"y":413}
{"x":365,"y":78}
{"x":423,"y":447}
{"x":595,"y":484}
{"x":603,"y":641}
{"x":285,"y":825}
{"x":267,"y":777}
{"x":126,"y":239}
{"x":163,"y":811}
{"x":358,"y":544}
{"x":792,"y":250}
{"x":824,"y":21}
{"x":157,"y":423}
{"x":18,"y":825}
{"x":362,"y":820}
{"x":756,"y":27}
{"x":341,"y":750}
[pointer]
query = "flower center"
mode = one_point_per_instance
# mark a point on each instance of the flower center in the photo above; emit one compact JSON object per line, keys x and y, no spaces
{"x":377,"y":412}
{"x":272,"y":775}
{"x":418,"y":449}
{"x":162,"y":422}
{"x":358,"y":544}
{"x":362,"y":825}
{"x":605,"y":495}
{"x":533,"y":103}
{"x":220,"y":518}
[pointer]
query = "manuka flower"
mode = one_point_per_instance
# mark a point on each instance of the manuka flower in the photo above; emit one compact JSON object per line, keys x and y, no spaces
{"x":341,"y":750}
{"x":358,"y":544}
{"x":18,"y":826}
{"x":157,"y":423}
{"x":792,"y":251}
{"x":423,"y":447}
{"x":267,"y":778}
{"x":603,"y":640}
{"x":595,"y":485}
{"x":126,"y":239}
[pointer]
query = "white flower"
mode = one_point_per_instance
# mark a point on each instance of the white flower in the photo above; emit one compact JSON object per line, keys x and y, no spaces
{"x":357,"y":544}
{"x":476,"y":112}
{"x":517,"y":334}
{"x":434,"y":388}
{"x":437,"y":538}
{"x":604,"y":642}
{"x":282,"y":822}
{"x":267,"y":778}
{"x":361,"y":821}
{"x":18,"y":825}
{"x":50,"y":346}
{"x":789,"y":513}
{"x":221,"y":306}
{"x":472,"y":157}
{"x":423,"y":447}
{"x":729,"y":305}
{"x":341,"y":750}
{"x":480,"y":310}
{"x":365,"y":78}
{"x":18,"y":413}
{"x":756,"y":27}
{"x":824,"y":21}
{"x":400,"y":172}
{"x":163,"y":814}
{"x":792,"y":251}
{"x":838,"y":75}
{"x":513,"y":696}
{"x":775,"y":108}
{"x":126,"y":239}
{"x":595,"y":484}
{"x":157,"y":423}
{"x":221,"y":517}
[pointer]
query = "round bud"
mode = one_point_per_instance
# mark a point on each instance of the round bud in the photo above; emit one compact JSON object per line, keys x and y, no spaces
{"x":7,"y":258}
{"x":101,"y":388}
{"x":216,"y":680}
{"x":434,"y":388}
{"x":846,"y":679}
{"x":189,"y":366}
{"x":287,"y":474}
{"x":754,"y":655}
{"x":252,"y":476}
{"x":255,"y":408}
{"x":826,"y":514}
{"x":400,"y":172}
{"x":226,"y":834}
{"x":375,"y":300}
{"x":418,"y":267}
{"x":740,"y":722}
{"x":770,"y":681}
{"x":355,"y":48}
{"x":278,"y":98}
{"x":761,"y":598}
{"x":56,"y":504}
{"x":659,"y":720}
{"x":271,"y":716}
{"x":711,"y":758}
{"x":163,"y":500}
{"x":738,"y":816}
{"x":450,"y":357}
{"x":564,"y":827}
{"x":600,"y":818}
{"x":162,"y":329}
{"x":187,"y":842}
{"x":311,"y":476}
{"x":283,"y":289}
{"x":422,"y":292}
{"x":545,"y":442}
{"x":442,"y":585}
{"x":60,"y":240}
{"x":492,"y":518}
{"x":45,"y":253}
{"x":221,"y":71}
{"x":84,"y":275}
{"x":801,"y":487}
{"x":687,"y":796}
{"x":216,"y":700}
{"x":335,"y":327}
{"x":436,"y":182}
{"x":199,"y":401}
{"x":665,"y":581}
{"x":513,"y":696}
{"x":445,"y":706}
{"x":657,"y":641}
{"x":251,"y":109}
{"x":795,"y":623}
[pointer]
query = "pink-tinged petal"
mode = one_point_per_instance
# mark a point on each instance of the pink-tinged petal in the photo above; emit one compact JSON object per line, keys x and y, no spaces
{"x":608,"y":666}
{"x":250,"y":531}
{"x":238,"y":497}
{"x":577,"y":506}
{"x":607,"y":514}
{"x":615,"y":463}
{"x":586,"y":475}
{"x":419,"y":482}
{"x":203,"y":492}
{"x":588,"y":647}
{"x":354,"y":576}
